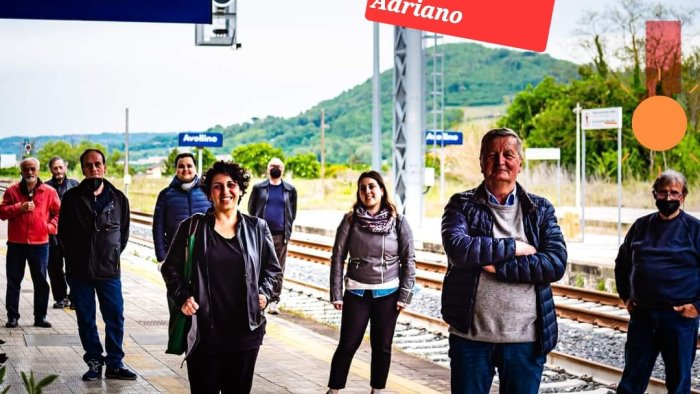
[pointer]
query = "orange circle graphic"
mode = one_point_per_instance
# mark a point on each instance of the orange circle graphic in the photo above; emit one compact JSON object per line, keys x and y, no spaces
{"x":659,"y":123}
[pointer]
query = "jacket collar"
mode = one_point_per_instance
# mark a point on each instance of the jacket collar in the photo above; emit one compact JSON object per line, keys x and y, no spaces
{"x":481,"y":196}
{"x":23,"y":186}
{"x":176,"y":183}
{"x":85,"y":190}
{"x":266,"y":184}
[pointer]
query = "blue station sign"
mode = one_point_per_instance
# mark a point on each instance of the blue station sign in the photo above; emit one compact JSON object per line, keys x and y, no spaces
{"x":171,"y":11}
{"x":443,"y":137}
{"x":215,"y":140}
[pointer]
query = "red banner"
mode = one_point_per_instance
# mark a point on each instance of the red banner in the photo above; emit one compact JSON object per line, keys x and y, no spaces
{"x":515,"y":23}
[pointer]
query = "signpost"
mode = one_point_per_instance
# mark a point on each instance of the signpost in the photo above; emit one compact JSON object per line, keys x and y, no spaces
{"x":200,"y":140}
{"x":442,"y":138}
{"x":600,"y":119}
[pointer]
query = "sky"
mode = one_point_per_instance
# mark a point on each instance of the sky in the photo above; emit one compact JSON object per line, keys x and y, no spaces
{"x":61,"y":77}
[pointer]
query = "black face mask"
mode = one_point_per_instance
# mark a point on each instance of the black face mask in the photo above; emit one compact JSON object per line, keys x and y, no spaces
{"x":93,"y":183}
{"x":275,"y":173}
{"x":667,"y":208}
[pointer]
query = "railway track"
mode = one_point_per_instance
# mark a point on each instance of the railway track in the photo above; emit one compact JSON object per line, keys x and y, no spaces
{"x":582,"y":305}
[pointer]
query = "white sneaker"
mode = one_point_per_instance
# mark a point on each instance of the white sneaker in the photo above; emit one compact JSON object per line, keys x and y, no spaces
{"x":274,"y":309}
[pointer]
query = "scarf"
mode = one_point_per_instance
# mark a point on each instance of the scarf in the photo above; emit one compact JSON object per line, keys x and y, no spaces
{"x":381,"y":223}
{"x":189,"y":185}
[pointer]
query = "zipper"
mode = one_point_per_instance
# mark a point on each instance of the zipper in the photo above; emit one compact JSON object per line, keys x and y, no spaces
{"x":381,"y":261}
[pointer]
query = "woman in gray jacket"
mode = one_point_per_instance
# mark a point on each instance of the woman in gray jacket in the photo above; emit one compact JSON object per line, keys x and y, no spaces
{"x":379,"y":278}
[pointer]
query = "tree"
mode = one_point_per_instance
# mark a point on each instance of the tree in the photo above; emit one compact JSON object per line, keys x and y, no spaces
{"x":56,"y":148}
{"x":543,"y":116}
{"x":208,"y":159}
{"x":255,"y":157}
{"x":169,"y":164}
{"x":304,"y":165}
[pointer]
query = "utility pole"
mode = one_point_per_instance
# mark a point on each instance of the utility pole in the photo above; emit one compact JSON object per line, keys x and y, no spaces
{"x":127,"y":177}
{"x":323,"y":153}
{"x":376,"y":107}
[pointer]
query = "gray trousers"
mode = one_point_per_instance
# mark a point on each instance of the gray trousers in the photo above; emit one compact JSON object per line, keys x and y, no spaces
{"x":281,"y":252}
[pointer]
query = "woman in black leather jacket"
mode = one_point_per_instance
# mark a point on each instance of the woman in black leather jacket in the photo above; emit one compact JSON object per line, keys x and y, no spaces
{"x":378,"y":282}
{"x":234,"y":272}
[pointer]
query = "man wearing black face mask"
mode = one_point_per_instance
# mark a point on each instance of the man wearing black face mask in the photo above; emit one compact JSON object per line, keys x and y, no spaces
{"x":93,"y":232}
{"x":658,"y":278}
{"x":275,"y":201}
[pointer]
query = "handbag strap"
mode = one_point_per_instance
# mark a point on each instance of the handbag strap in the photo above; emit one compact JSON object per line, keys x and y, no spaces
{"x":190,"y":247}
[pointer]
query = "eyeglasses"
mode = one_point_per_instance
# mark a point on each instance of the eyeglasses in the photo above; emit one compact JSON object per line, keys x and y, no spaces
{"x":662,"y":195}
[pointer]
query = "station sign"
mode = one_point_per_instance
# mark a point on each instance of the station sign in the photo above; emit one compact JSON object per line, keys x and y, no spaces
{"x":601,"y":118}
{"x":215,"y":140}
{"x":542,"y":153}
{"x":170,"y":11}
{"x":443,"y":137}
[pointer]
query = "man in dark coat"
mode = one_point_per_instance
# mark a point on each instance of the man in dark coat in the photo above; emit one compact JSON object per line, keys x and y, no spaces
{"x":275,"y":201}
{"x":658,"y":278}
{"x":181,"y":199}
{"x":504,"y":248}
{"x":93,"y":229}
{"x":59,"y":287}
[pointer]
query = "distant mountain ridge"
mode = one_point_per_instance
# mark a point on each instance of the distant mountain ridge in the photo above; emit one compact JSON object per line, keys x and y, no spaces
{"x":474,"y":75}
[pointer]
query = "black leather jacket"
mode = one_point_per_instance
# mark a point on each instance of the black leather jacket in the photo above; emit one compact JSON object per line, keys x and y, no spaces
{"x":258,"y":201}
{"x":262,"y":270}
{"x":92,"y":243}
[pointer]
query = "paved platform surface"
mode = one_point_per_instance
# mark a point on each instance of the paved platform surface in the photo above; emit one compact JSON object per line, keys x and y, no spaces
{"x":294,"y":358}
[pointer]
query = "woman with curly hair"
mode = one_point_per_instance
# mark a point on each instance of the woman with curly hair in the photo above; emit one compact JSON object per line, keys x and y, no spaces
{"x":379,"y":279}
{"x":234,"y":272}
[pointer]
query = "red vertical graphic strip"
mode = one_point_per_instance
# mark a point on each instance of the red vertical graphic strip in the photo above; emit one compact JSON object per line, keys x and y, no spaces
{"x":663,"y":58}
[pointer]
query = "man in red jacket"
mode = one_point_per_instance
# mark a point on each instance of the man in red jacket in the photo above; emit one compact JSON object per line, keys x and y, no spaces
{"x":31,"y":209}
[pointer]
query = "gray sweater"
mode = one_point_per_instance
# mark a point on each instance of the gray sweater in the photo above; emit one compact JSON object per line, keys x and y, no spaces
{"x":504,"y":312}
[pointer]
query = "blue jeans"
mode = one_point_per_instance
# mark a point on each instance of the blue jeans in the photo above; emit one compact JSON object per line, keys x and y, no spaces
{"x":473,"y":363}
{"x":109,"y":294}
{"x":650,"y":333}
{"x":37,"y":256}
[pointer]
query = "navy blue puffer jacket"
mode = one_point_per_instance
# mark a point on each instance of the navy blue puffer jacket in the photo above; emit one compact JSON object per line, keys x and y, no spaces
{"x":467,"y":236}
{"x":172,"y":207}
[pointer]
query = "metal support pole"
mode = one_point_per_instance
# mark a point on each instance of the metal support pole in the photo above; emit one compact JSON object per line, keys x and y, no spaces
{"x":376,"y":107}
{"x":619,"y":185}
{"x":577,"y":175}
{"x":127,"y":177}
{"x":199,"y":160}
{"x":323,"y":154}
{"x":583,"y":184}
{"x":409,"y":146}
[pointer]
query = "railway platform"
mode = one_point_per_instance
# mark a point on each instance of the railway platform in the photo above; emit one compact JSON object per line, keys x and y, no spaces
{"x":294,"y":358}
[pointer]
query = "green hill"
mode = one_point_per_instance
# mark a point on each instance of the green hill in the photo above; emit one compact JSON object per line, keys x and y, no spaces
{"x":474,"y":76}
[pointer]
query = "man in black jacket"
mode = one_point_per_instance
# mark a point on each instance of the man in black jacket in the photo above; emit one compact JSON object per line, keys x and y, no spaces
{"x":93,"y":231}
{"x":658,"y":278}
{"x":275,"y":201}
{"x":59,"y":287}
{"x":504,"y":248}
